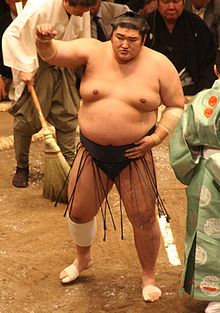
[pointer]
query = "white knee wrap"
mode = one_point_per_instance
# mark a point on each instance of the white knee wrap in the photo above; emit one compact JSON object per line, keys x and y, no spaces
{"x":83,"y":234}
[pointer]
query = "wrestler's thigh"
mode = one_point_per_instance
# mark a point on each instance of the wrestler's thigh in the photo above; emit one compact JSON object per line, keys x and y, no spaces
{"x":137,"y":192}
{"x":90,"y":187}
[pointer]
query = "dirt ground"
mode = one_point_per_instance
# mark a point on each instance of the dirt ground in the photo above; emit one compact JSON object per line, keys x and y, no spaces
{"x":35,"y":246}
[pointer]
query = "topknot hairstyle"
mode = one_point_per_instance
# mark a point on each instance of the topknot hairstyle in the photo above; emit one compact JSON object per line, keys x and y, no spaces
{"x":131,"y":20}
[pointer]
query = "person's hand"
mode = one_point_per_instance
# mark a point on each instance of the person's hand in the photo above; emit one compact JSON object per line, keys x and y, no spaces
{"x":28,"y":78}
{"x":142,"y":146}
{"x":45,"y":33}
{"x":2,"y":89}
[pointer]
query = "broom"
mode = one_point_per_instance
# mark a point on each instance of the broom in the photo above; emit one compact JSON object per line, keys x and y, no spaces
{"x":56,"y":168}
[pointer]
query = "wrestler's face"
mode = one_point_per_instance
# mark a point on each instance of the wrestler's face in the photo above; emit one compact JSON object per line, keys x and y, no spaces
{"x":76,"y":10}
{"x":126,"y":43}
{"x":170,"y":10}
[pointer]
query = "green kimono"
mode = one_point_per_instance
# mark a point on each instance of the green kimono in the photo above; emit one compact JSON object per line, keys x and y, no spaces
{"x":196,"y":163}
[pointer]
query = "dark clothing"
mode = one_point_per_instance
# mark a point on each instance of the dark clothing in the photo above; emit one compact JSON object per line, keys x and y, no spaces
{"x":110,"y":159}
{"x":100,"y":31}
{"x":190,"y":46}
{"x":4,"y":8}
{"x":5,"y":21}
{"x":137,"y":184}
{"x":134,"y":5}
{"x":59,"y":101}
{"x":211,"y":18}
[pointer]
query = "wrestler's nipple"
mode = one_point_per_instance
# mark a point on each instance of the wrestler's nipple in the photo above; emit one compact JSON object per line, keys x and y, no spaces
{"x":95,"y":92}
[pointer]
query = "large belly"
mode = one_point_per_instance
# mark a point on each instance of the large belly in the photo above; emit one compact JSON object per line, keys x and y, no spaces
{"x":114,"y":124}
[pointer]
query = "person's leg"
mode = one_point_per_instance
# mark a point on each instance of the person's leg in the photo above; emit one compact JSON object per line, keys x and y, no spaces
{"x":147,"y":242}
{"x":26,"y":123}
{"x":83,"y":236}
{"x":63,"y":113}
{"x":22,"y":146}
{"x":139,"y":201}
{"x":90,"y":186}
{"x":66,"y":142}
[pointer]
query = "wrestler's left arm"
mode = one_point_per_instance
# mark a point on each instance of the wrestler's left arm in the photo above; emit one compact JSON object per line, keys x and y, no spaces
{"x":172,"y":97}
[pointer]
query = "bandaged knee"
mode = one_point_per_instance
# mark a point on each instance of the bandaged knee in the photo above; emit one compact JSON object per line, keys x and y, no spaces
{"x":83,"y":234}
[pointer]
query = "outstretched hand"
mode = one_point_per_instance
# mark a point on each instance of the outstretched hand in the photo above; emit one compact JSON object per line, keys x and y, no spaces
{"x":45,"y":32}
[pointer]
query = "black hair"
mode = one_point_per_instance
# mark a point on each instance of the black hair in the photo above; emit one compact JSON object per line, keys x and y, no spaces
{"x":83,"y":3}
{"x":4,"y":7}
{"x":132,"y":20}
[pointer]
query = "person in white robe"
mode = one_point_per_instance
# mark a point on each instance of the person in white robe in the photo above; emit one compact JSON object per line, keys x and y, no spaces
{"x":55,"y":87}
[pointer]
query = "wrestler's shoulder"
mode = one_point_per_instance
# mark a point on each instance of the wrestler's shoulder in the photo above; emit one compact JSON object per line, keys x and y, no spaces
{"x":156,"y":57}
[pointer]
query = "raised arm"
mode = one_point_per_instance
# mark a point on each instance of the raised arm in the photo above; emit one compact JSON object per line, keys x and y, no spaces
{"x":63,"y":53}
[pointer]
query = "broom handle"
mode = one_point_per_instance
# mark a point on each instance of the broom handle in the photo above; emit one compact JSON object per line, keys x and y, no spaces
{"x":38,"y":107}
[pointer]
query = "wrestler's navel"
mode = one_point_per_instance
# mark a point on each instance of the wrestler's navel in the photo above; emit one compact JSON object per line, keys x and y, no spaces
{"x":142,"y":100}
{"x":95,"y":92}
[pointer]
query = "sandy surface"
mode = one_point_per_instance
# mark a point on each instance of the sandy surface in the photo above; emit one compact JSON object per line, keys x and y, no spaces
{"x":35,"y":246}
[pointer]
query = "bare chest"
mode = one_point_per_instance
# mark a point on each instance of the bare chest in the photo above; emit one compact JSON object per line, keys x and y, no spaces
{"x":134,"y":88}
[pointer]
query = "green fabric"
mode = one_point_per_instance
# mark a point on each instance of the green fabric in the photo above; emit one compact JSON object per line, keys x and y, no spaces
{"x":198,"y":131}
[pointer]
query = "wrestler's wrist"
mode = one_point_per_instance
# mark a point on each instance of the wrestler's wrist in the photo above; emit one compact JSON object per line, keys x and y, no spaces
{"x":43,"y":43}
{"x":156,"y":138}
{"x":47,"y":49}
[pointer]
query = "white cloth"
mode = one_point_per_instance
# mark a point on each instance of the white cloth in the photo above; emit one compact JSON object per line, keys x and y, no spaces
{"x":18,"y":42}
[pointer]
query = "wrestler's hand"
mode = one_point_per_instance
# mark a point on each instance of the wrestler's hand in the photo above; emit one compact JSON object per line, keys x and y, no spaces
{"x":142,"y":146}
{"x":45,"y":33}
